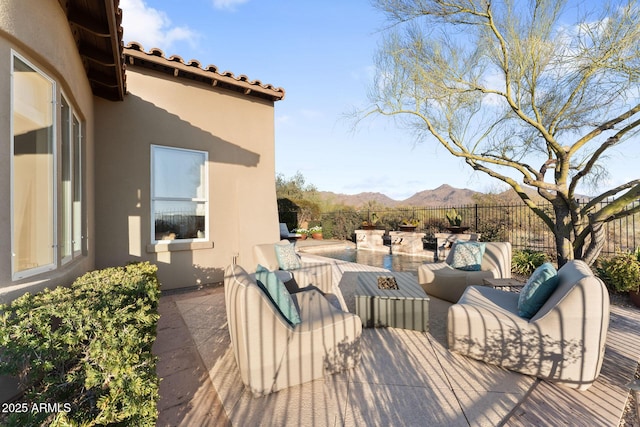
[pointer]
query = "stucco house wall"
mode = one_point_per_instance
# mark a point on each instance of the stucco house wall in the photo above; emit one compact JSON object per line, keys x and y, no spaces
{"x":227,"y":120}
{"x":235,"y":128}
{"x":237,"y":132}
{"x":38,"y":31}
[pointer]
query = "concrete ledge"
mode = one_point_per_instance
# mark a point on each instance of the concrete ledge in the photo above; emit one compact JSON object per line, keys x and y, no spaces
{"x":176,"y":247}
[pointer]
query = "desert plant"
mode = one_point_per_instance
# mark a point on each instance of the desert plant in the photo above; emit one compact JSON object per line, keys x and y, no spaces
{"x":621,"y":272}
{"x":372,"y":221}
{"x":411,"y":222}
{"x":525,"y":261}
{"x":454,"y":218}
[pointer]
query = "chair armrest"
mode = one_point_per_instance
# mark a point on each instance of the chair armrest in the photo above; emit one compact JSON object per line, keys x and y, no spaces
{"x":426,"y":271}
{"x":314,"y":273}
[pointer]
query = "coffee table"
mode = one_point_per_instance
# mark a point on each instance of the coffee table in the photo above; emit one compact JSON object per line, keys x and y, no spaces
{"x":406,"y":307}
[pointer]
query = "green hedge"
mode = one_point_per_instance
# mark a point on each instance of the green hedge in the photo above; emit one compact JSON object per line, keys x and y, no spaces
{"x":83,"y":353}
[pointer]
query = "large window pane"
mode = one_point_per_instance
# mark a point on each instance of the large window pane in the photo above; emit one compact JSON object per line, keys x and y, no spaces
{"x":179,"y":173}
{"x":78,"y":239}
{"x":179,"y":195}
{"x":67,"y":173}
{"x":33,"y":169}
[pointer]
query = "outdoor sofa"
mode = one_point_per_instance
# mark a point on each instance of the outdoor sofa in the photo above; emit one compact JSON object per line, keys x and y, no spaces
{"x":273,"y":354}
{"x":563,"y":342}
{"x":441,"y":280}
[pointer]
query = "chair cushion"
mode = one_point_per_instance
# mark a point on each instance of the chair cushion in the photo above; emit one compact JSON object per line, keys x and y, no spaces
{"x":467,"y":256}
{"x":287,"y":257}
{"x":537,"y":290}
{"x":278,"y":293}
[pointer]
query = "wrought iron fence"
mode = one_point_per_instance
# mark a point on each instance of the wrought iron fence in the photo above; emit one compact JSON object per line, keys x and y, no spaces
{"x":178,"y":225}
{"x":515,"y":223}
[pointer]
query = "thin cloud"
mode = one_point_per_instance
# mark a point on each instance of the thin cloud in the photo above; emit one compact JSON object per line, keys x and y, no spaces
{"x":152,"y":27}
{"x":228,"y":4}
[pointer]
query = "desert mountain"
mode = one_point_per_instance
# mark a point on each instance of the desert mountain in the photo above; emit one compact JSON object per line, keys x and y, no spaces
{"x":444,"y":195}
{"x":358,"y":200}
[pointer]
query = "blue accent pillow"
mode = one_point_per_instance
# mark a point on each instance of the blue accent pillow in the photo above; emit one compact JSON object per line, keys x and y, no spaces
{"x":278,"y":293}
{"x":467,"y":256}
{"x":287,"y":257}
{"x":542,"y":283}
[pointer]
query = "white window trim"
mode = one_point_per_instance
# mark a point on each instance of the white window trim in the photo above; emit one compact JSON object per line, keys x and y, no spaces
{"x":18,"y":275}
{"x":153,"y":199}
{"x":79,"y":252}
{"x":66,"y":259}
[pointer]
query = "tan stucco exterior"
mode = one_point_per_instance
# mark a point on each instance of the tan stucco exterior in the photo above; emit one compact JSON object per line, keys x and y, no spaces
{"x":237,"y":131}
{"x":38,"y":31}
{"x":232,"y":119}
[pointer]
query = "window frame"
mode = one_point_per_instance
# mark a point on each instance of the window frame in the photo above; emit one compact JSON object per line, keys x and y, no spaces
{"x":154,"y":198}
{"x":78,"y":221}
{"x":75,"y":222}
{"x":66,"y":222}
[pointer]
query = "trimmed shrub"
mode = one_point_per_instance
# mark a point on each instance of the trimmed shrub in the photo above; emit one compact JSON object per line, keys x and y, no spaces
{"x":83,"y":353}
{"x":341,"y":225}
{"x":621,"y":272}
{"x":525,"y":261}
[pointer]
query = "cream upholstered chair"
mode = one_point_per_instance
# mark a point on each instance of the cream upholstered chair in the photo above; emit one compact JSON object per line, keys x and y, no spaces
{"x":442,"y":281}
{"x":271,"y":354}
{"x":310,"y":273}
{"x":563,"y":342}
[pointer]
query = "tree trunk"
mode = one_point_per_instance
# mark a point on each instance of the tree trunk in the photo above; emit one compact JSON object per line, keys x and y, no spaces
{"x":597,"y":242}
{"x":563,"y":233}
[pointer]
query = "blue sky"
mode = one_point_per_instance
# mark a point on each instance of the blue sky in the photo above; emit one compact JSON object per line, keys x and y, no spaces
{"x":322,"y":54}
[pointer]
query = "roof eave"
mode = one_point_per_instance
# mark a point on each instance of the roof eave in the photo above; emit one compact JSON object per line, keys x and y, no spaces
{"x":97,"y":29}
{"x":154,"y":59}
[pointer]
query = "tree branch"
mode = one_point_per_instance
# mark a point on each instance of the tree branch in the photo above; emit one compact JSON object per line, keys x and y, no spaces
{"x":603,"y":127}
{"x":601,"y":197}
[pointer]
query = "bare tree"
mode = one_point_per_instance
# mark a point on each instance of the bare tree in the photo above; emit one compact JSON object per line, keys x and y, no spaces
{"x":522,"y":93}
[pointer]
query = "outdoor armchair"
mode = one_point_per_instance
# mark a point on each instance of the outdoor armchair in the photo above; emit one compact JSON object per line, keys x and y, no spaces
{"x":286,"y":234}
{"x":563,"y":342}
{"x":310,"y":273}
{"x":442,"y":281}
{"x":273,"y":354}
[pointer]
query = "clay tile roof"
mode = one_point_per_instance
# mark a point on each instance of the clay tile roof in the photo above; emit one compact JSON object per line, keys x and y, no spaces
{"x":154,"y":59}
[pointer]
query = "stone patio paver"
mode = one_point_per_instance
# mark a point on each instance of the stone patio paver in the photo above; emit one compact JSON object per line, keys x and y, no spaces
{"x":404,"y":378}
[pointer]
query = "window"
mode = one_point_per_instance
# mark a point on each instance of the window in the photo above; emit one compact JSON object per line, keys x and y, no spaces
{"x":179,"y":195}
{"x":78,"y":241}
{"x":71,"y":239}
{"x":67,"y":173}
{"x":47,"y":211}
{"x":33,"y":171}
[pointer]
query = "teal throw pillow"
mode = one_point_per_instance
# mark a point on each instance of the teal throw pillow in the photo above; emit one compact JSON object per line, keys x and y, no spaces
{"x":467,"y":256}
{"x":537,"y":290}
{"x":288,"y":259}
{"x":278,"y":294}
